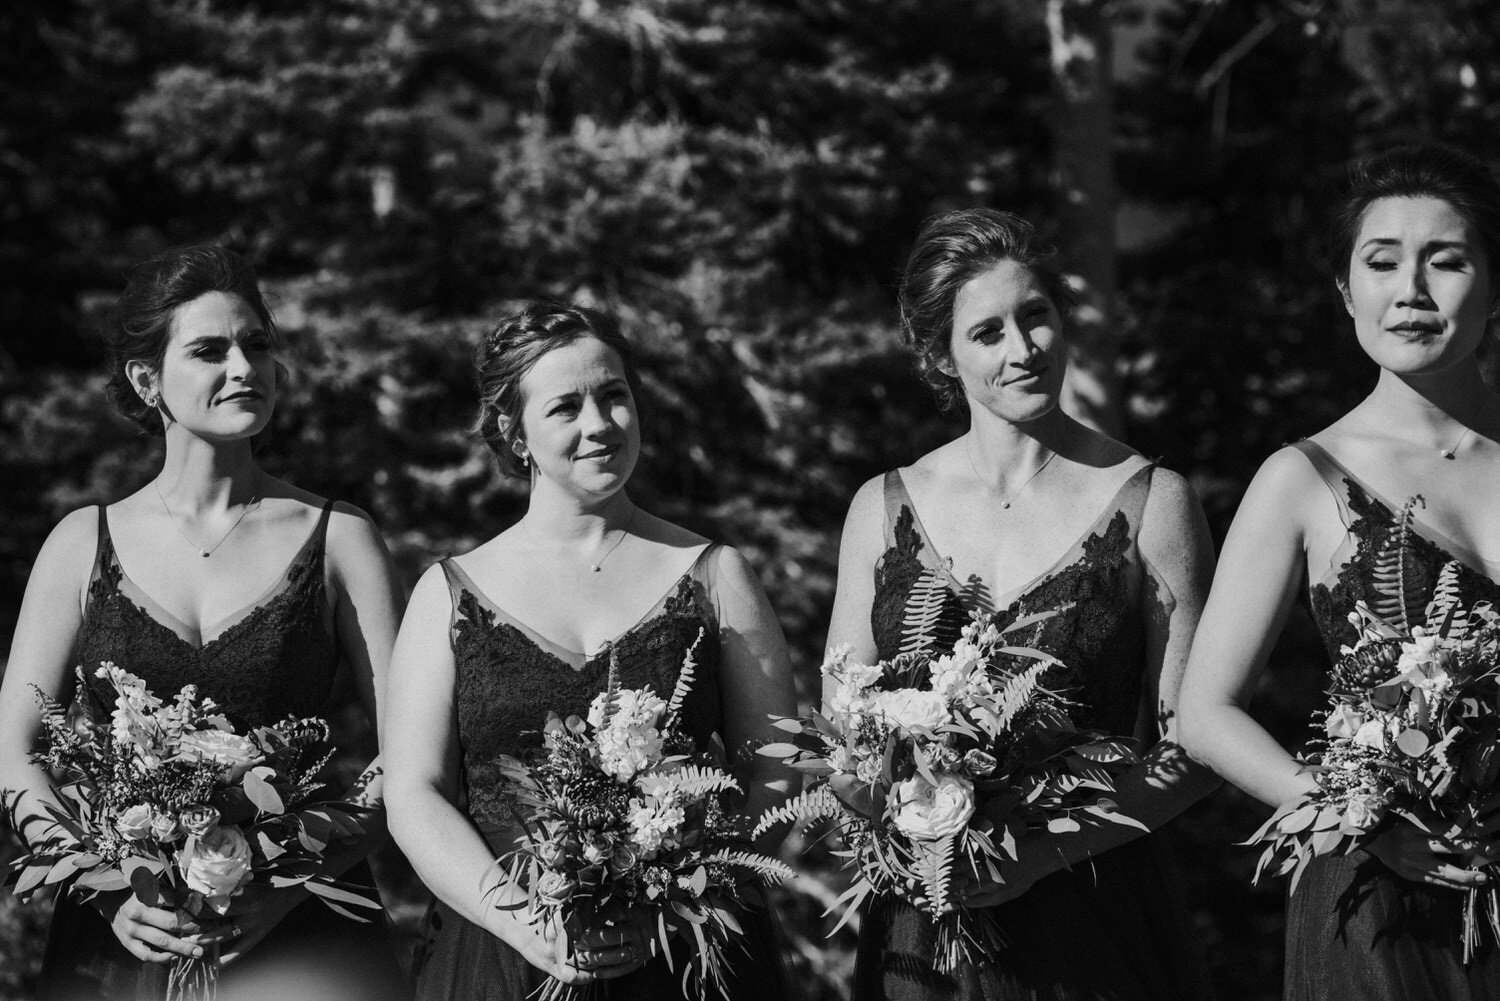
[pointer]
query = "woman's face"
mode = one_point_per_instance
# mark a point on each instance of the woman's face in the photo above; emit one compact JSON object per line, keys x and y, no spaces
{"x":578,"y":418}
{"x":218,"y":374}
{"x":1419,"y":286}
{"x":1007,"y":347}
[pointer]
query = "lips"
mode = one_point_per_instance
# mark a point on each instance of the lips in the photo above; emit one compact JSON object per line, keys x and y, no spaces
{"x":1027,"y":375}
{"x":242,"y":396}
{"x":600,"y":453}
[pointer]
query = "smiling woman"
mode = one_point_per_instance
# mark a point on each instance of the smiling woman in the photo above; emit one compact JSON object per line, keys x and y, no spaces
{"x":530,"y":623}
{"x":218,"y":575}
{"x":1028,"y":512}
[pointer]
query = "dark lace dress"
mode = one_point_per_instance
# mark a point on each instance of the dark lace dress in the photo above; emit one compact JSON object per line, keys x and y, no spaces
{"x":1354,"y":929}
{"x":507,"y":678}
{"x":276,"y":657}
{"x":1116,"y":926}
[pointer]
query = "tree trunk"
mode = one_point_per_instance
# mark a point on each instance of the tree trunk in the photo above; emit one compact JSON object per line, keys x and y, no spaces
{"x":1083,"y":145}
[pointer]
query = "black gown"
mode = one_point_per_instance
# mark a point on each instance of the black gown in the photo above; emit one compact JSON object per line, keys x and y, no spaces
{"x":1115,"y":927}
{"x":1355,"y":930}
{"x":507,"y":678}
{"x":276,"y":657}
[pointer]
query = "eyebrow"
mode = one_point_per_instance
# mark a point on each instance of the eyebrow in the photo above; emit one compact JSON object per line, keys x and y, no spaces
{"x":573,"y":394}
{"x":1390,"y":241}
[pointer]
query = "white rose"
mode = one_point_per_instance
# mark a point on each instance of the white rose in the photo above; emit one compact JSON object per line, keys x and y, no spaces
{"x":1343,"y":722}
{"x":914,"y":710}
{"x":135,"y":823}
{"x":216,"y":865}
{"x":164,"y":827}
{"x":1363,"y":812}
{"x":231,"y":750}
{"x":926,"y":812}
{"x":1372,"y":733}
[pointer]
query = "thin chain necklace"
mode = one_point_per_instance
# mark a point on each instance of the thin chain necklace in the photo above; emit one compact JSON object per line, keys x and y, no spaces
{"x":597,"y":566}
{"x":206,"y":553}
{"x":1448,"y":453}
{"x":1006,"y":501}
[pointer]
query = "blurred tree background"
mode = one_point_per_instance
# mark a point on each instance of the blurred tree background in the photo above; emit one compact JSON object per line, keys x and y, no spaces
{"x":740,"y":180}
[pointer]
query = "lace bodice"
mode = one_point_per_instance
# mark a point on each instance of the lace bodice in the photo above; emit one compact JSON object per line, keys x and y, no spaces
{"x":1099,"y":635}
{"x":508,"y":677}
{"x":1369,"y":521}
{"x":275,"y":658}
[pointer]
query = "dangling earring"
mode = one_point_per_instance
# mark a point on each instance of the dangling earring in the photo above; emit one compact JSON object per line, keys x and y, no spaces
{"x":519,"y":448}
{"x":151,"y":400}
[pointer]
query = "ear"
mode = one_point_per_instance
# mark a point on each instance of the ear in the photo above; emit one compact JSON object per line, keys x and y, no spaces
{"x":1343,"y":287}
{"x":945,"y":365}
{"x":142,"y":379}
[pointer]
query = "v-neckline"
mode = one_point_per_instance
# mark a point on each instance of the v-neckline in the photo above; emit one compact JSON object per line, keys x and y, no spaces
{"x":577,"y":660}
{"x":1069,"y":556}
{"x":153,"y":611}
{"x":1441,"y":541}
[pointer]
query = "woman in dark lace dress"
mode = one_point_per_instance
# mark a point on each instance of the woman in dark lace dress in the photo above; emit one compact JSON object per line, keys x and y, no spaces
{"x":1028,"y":511}
{"x":213,"y":574}
{"x":1417,"y":253}
{"x":495,"y":639}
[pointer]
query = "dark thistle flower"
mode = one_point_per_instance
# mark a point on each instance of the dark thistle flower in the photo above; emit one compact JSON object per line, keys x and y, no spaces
{"x":1367,"y":667}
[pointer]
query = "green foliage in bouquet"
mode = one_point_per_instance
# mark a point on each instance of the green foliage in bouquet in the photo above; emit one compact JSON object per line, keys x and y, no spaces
{"x":933,"y":765}
{"x":165,"y":800}
{"x":1411,"y":731}
{"x":627,"y":824}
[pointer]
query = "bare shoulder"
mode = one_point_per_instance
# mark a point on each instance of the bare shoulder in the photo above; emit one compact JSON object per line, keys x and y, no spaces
{"x":349,"y":525}
{"x":71,"y":546}
{"x":733,"y":570}
{"x":1287,"y":477}
{"x":666,"y":533}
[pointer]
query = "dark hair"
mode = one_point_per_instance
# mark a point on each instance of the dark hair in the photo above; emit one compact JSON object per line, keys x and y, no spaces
{"x":140,"y":326}
{"x":1419,"y":171}
{"x":951,"y":250}
{"x":512,"y":348}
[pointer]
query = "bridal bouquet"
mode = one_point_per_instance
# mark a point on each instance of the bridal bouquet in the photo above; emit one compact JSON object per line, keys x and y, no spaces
{"x":166,"y":800}
{"x":931,"y":766}
{"x":627,"y":825}
{"x":1412,"y":729}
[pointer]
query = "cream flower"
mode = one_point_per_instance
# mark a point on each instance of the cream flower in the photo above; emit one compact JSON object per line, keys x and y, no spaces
{"x":216,"y":865}
{"x":913,"y":710}
{"x":236,"y":753}
{"x":926,"y":812}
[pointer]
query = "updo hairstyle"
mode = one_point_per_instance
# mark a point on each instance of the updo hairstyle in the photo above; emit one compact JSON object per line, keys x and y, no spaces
{"x":1419,"y":171}
{"x":952,"y":249}
{"x":511,"y":348}
{"x":140,"y":326}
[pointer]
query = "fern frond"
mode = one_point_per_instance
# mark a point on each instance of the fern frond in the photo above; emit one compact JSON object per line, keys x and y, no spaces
{"x":685,"y":679}
{"x":811,"y":804}
{"x":1018,"y":693}
{"x":934,"y":867}
{"x":1395,"y":579}
{"x":924,"y":612}
{"x":695,"y":781}
{"x":766,"y":867}
{"x":1446,"y":606}
{"x":611,"y":688}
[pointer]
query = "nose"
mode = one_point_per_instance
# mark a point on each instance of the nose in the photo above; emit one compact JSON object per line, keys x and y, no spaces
{"x":1414,"y":290}
{"x":237,"y":364}
{"x":595,"y":418}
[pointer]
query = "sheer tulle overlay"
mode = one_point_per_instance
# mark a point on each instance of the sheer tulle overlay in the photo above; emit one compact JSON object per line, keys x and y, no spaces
{"x":274,"y":658}
{"x":1115,"y":928}
{"x":508,"y":678}
{"x":1356,"y":931}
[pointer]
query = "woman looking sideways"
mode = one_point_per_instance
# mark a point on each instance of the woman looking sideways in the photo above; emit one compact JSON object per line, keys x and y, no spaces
{"x":527,"y":623}
{"x":1028,"y":511}
{"x":1416,"y":252}
{"x":215,"y":574}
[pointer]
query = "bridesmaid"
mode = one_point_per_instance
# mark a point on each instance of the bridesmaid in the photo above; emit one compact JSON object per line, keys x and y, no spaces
{"x":1029,"y":510}
{"x":1417,"y":258}
{"x":525,"y":623}
{"x":215,"y":573}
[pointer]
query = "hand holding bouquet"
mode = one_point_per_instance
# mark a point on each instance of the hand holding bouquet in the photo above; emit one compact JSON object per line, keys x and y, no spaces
{"x":626,"y":825}
{"x":167,"y":801}
{"x":932,"y":766}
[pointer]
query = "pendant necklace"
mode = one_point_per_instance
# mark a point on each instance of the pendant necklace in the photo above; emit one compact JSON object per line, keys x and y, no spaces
{"x":597,"y":566}
{"x":206,"y":553}
{"x":1448,"y":453}
{"x":1006,"y":501}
